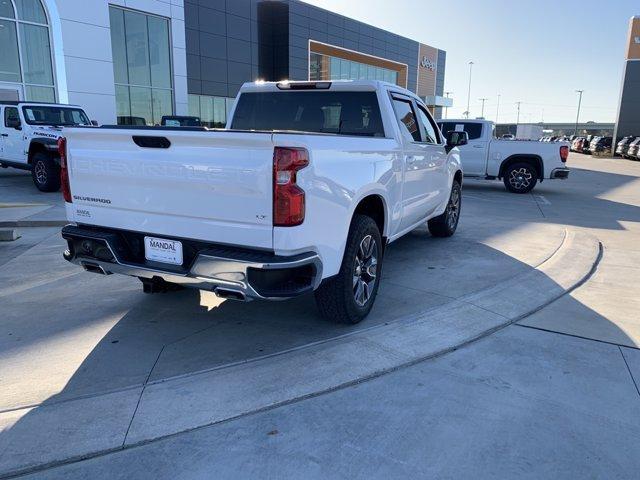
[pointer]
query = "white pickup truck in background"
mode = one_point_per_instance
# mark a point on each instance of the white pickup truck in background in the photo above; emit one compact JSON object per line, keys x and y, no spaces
{"x":302,"y":192}
{"x":520,"y":164}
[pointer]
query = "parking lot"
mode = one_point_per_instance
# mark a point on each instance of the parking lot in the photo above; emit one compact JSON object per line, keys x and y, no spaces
{"x":511,"y":349}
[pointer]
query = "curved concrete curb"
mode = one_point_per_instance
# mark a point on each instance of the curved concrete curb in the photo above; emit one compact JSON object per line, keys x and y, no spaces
{"x":185,"y":403}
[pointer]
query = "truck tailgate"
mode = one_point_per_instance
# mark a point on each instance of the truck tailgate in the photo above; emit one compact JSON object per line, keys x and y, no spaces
{"x":214,"y":186}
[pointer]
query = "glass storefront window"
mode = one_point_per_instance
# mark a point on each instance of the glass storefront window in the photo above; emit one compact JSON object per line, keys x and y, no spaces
{"x":213,"y":111}
{"x":10,"y":59}
{"x":37,"y":61}
{"x":40,"y":94}
{"x":25,"y":60}
{"x":30,"y":11}
{"x":341,"y":69}
{"x":141,"y":67}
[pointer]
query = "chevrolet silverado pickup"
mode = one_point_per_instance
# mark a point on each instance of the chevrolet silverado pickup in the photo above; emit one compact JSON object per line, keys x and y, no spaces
{"x":301,"y":192}
{"x":29,"y":134}
{"x":519,"y":164}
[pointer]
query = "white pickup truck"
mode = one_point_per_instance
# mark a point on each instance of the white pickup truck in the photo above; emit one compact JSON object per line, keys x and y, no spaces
{"x":519,"y":164}
{"x":303,"y":191}
{"x":29,"y":135}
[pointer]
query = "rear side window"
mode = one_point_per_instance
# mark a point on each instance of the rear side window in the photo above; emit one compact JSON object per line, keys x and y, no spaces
{"x":10,"y":113}
{"x":474,"y":130}
{"x":342,"y":113}
{"x":407,"y":120}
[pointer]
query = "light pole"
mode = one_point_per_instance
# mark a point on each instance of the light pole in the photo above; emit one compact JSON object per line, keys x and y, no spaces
{"x":518,"y":118}
{"x":579,"y":92}
{"x":446,"y":108}
{"x":497,"y":109}
{"x":469,"y":92}
{"x":482,"y":111}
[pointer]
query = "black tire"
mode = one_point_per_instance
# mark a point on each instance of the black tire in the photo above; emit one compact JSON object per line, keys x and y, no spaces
{"x":349,"y":296}
{"x":446,"y":224}
{"x":520,"y":177}
{"x":45,"y":173}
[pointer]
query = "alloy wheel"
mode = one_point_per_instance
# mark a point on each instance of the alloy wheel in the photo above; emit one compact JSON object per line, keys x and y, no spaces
{"x":41,"y":172}
{"x":365,"y":270}
{"x":520,"y":178}
{"x":453,"y":208}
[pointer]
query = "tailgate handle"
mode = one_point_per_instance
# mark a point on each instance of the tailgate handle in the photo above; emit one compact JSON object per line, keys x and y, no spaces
{"x":151,"y":142}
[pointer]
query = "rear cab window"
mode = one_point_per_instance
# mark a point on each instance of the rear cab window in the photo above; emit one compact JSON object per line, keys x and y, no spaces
{"x":473,"y":129}
{"x":335,"y":112}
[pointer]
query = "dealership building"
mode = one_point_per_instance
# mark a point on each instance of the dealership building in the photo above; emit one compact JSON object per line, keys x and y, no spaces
{"x":133,"y":61}
{"x":628,"y":117}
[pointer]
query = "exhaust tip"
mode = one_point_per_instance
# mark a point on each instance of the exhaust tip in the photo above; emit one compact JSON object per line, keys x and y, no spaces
{"x":94,"y":268}
{"x":230,"y":294}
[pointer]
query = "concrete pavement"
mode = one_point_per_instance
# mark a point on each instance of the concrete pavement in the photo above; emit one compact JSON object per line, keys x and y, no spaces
{"x":139,"y":358}
{"x":518,"y":404}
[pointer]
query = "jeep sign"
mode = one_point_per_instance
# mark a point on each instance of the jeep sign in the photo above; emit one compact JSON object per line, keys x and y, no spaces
{"x":427,"y":63}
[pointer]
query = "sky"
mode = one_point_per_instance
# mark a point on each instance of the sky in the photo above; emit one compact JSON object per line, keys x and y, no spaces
{"x":535,"y":52}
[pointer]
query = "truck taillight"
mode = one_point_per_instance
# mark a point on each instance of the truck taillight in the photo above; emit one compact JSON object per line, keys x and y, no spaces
{"x":288,"y":197}
{"x":64,"y":171}
{"x":564,"y":153}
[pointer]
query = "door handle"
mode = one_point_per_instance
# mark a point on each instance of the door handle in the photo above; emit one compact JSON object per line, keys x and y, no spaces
{"x":411,"y":159}
{"x":4,"y":134}
{"x":478,"y":146}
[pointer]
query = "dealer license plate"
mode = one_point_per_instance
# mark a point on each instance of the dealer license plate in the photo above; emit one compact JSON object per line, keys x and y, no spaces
{"x":163,"y":250}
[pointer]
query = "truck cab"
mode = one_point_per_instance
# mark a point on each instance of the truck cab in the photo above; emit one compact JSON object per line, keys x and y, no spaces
{"x":29,"y":133}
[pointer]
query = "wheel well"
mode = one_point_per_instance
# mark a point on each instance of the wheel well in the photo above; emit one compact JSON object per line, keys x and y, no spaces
{"x":458,"y":176}
{"x":34,"y":148}
{"x":534,"y":160}
{"x":373,"y":206}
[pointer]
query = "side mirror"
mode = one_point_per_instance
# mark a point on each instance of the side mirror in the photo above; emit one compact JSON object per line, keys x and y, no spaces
{"x":13,"y":122}
{"x":456,"y":139}
{"x":94,"y":123}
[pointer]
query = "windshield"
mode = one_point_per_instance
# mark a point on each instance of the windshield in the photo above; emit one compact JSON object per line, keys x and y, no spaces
{"x":54,"y":116}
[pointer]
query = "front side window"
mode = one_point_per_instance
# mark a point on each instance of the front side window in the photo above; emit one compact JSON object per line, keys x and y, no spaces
{"x":10,"y":116}
{"x":473,"y":129}
{"x":25,"y":46}
{"x":341,"y":113}
{"x":141,"y":67}
{"x":55,"y":116}
{"x":407,"y":120}
{"x":429,"y":133}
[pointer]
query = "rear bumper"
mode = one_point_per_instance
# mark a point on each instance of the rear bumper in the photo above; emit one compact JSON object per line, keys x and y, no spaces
{"x":560,"y":173}
{"x":235,"y":273}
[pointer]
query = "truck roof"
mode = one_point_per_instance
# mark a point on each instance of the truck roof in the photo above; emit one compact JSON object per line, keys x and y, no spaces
{"x":347,"y":85}
{"x":23,"y":102}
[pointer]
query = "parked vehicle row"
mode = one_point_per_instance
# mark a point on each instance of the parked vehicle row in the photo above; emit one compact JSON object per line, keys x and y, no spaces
{"x":629,"y":147}
{"x":591,"y":144}
{"x":561,"y":138}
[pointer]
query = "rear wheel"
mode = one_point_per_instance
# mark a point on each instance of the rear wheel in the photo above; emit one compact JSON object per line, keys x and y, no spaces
{"x":348,"y":297}
{"x":520,"y":177}
{"x":45,"y":173}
